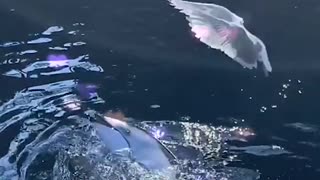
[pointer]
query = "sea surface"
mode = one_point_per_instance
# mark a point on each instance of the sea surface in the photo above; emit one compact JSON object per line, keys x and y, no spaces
{"x":62,"y":60}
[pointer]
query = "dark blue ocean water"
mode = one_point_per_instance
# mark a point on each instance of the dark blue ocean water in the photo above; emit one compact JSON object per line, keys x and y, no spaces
{"x":142,"y":58}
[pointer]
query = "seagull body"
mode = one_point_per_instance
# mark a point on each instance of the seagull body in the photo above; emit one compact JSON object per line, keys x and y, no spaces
{"x":223,"y":30}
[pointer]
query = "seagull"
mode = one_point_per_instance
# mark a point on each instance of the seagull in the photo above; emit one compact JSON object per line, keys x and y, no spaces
{"x":221,"y":29}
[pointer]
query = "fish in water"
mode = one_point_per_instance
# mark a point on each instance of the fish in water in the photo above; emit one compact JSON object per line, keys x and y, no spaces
{"x":222,"y":29}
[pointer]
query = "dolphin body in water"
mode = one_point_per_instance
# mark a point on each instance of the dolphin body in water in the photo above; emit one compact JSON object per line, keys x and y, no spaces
{"x":122,"y":139}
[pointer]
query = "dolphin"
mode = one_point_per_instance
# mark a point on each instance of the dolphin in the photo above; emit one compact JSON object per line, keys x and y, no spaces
{"x":122,"y":138}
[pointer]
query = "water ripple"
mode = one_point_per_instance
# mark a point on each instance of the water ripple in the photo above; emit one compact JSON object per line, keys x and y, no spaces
{"x":52,"y":29}
{"x":40,"y":41}
{"x":47,"y":68}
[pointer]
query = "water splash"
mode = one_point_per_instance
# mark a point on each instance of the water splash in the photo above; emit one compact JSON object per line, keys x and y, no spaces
{"x":157,"y":133}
